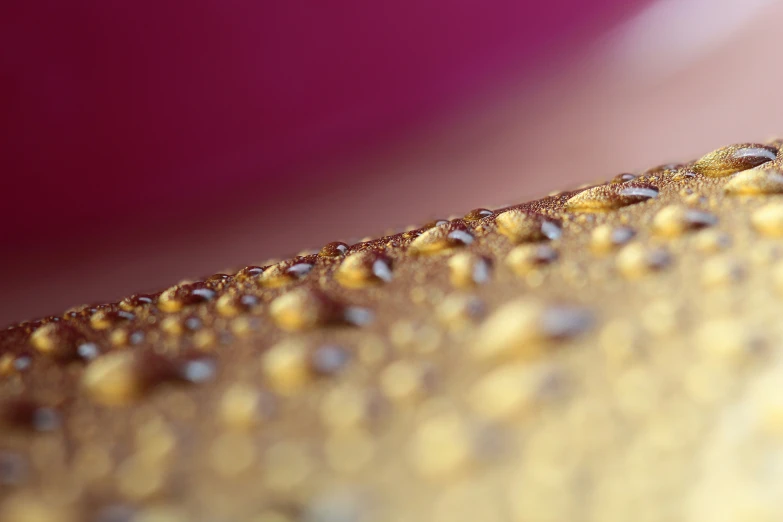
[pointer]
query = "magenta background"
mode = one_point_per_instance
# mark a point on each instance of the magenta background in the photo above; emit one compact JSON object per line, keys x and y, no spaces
{"x":116,"y":114}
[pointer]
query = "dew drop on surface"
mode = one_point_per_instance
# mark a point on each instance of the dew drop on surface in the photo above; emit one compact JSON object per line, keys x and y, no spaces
{"x":524,"y":258}
{"x":358,"y":316}
{"x":177,"y":297}
{"x":103,"y":319}
{"x":249,"y":273}
{"x":467,"y":269}
{"x":441,"y":238}
{"x":198,"y":371}
{"x":636,"y":260}
{"x":607,"y":237}
{"x":520,"y":226}
{"x":611,"y":197}
{"x":674,"y":220}
{"x":285,"y":273}
{"x":334,"y":249}
{"x":302,"y":309}
{"x":734,"y":158}
{"x":756,"y":181}
{"x":57,"y":340}
{"x":26,"y":414}
{"x":768,"y":220}
{"x":88,"y":351}
{"x":231,"y":304}
{"x":477,"y":214}
{"x":136,"y":301}
{"x":329,"y":359}
{"x":622,"y":178}
{"x":363,"y":268}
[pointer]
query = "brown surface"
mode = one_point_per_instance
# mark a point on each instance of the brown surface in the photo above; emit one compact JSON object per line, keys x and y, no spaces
{"x":595,"y":355}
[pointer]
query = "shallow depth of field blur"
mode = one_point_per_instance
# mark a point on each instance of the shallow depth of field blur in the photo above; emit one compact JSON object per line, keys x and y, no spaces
{"x":641,"y":84}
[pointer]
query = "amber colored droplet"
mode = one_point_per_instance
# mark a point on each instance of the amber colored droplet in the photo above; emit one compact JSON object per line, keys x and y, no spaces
{"x":756,"y":181}
{"x":442,"y":446}
{"x":286,"y":272}
{"x":11,"y":363}
{"x":26,"y":414}
{"x":513,"y":390}
{"x":334,"y":249}
{"x":177,"y":297}
{"x":329,"y":359}
{"x":286,"y":366}
{"x":302,"y":309}
{"x":364,"y":267}
{"x":610,"y":197}
{"x":103,"y":319}
{"x":721,"y":272}
{"x":120,"y":377}
{"x":243,"y":406}
{"x":607,"y":237}
{"x":520,"y":226}
{"x":441,"y":238}
{"x":404,"y":380}
{"x":674,"y":220}
{"x":524,"y":258}
{"x":768,"y":220}
{"x":622,"y":178}
{"x":666,"y":168}
{"x":636,"y":260}
{"x":468,"y":269}
{"x":522,"y":328}
{"x":232,"y":304}
{"x":734,"y":158}
{"x":249,"y":273}
{"x":477,"y":214}
{"x":136,"y":301}
{"x":58,"y":340}
{"x":458,"y":311}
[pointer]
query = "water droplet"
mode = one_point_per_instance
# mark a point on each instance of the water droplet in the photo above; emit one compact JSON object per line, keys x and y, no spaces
{"x":477,"y":214}
{"x":197,"y":370}
{"x":243,"y":406}
{"x":468,"y":269}
{"x":520,"y":226}
{"x":13,"y":469}
{"x":404,"y":380}
{"x":136,"y":301}
{"x":303,"y":309}
{"x":734,"y":158}
{"x":232,"y":304}
{"x":768,"y":220}
{"x":514,"y":390}
{"x":524,"y":258}
{"x":636,"y":260}
{"x":329,"y":359}
{"x":363,"y":268}
{"x":442,"y":446}
{"x":57,"y":340}
{"x":674,"y":220}
{"x":26,"y":414}
{"x":286,"y":367}
{"x":711,"y":241}
{"x":88,"y":351}
{"x":521,"y":328}
{"x":249,"y":273}
{"x":441,"y":238}
{"x":177,"y":297}
{"x":120,"y":377}
{"x":610,"y":197}
{"x":622,"y":178}
{"x":721,"y":272}
{"x":286,"y":272}
{"x":358,"y":316}
{"x":607,"y":237}
{"x":459,"y":311}
{"x":756,"y":181}
{"x":334,"y":249}
{"x":103,"y":319}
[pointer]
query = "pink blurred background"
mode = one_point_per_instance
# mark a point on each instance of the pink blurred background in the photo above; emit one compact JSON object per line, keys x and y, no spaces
{"x":148,"y":143}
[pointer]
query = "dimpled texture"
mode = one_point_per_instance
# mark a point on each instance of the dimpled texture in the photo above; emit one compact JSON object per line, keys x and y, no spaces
{"x":613,"y":358}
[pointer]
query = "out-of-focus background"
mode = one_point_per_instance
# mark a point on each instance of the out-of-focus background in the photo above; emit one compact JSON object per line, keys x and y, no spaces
{"x":146,"y":143}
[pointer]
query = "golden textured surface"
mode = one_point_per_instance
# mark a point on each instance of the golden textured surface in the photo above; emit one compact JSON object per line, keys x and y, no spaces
{"x":604,"y":354}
